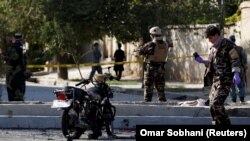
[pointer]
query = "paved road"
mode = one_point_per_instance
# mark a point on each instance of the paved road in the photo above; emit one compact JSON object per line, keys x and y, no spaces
{"x":54,"y":135}
{"x":44,"y":93}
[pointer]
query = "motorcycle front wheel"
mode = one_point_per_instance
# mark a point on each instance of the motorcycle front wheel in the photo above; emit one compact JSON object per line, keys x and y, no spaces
{"x":108,"y":117}
{"x":69,"y":121}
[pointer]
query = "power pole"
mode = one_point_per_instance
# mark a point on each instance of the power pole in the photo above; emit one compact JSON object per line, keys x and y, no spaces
{"x":222,"y":18}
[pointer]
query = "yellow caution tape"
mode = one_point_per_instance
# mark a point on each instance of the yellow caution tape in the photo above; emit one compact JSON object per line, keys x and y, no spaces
{"x":191,"y":56}
{"x":80,"y":65}
{"x":96,"y":64}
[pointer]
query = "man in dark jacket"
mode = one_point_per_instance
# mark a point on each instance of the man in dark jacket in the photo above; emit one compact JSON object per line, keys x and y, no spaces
{"x":96,"y":58}
{"x":119,"y":56}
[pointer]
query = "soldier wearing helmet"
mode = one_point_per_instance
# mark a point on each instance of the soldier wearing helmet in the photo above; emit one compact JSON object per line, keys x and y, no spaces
{"x":155,"y":53}
{"x":15,"y":69}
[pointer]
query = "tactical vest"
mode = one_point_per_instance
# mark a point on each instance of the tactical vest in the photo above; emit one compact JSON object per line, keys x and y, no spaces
{"x":160,"y":52}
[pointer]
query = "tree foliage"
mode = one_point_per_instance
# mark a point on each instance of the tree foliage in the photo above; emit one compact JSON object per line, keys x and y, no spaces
{"x":86,"y":20}
{"x":233,"y":13}
{"x":58,"y":27}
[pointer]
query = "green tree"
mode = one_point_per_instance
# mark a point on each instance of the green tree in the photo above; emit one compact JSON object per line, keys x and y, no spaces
{"x":60,"y":27}
{"x":24,"y":16}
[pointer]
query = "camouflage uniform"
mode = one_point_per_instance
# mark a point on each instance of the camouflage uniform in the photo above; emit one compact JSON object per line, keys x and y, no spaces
{"x":15,"y":80}
{"x":155,"y":53}
{"x":224,"y":61}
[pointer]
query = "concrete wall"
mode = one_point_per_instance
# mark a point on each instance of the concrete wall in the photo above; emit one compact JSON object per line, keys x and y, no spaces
{"x":134,"y":68}
{"x":245,"y":31}
{"x":180,"y":64}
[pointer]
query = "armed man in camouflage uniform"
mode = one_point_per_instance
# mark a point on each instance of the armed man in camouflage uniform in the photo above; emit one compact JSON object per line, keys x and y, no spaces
{"x":15,"y":71}
{"x":155,"y":53}
{"x":225,"y":66}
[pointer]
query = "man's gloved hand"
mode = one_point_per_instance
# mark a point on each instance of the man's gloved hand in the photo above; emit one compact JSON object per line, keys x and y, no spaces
{"x":196,"y":55}
{"x":236,"y":78}
{"x":197,"y":58}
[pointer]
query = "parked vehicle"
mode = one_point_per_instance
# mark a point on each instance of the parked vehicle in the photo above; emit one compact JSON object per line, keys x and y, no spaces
{"x":86,"y":109}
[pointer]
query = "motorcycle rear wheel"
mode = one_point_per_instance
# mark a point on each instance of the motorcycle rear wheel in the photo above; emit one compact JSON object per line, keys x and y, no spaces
{"x":68,"y":122}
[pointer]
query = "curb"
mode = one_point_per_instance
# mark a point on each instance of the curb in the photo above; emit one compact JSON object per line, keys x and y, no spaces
{"x":41,"y":116}
{"x":135,"y":109}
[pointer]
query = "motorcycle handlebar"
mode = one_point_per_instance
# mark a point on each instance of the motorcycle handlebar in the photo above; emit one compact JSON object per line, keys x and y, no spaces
{"x":85,"y":81}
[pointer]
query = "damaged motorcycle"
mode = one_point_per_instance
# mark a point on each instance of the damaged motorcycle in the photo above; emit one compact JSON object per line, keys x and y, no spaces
{"x":86,"y":109}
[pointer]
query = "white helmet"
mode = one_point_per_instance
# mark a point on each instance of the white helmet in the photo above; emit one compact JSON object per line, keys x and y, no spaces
{"x":155,"y":30}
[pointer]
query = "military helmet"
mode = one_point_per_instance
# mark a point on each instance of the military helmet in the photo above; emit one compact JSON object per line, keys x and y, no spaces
{"x":18,"y":36}
{"x":155,"y":30}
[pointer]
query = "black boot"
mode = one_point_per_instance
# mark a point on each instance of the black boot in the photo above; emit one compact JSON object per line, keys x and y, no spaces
{"x":242,"y":100}
{"x":233,"y":100}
